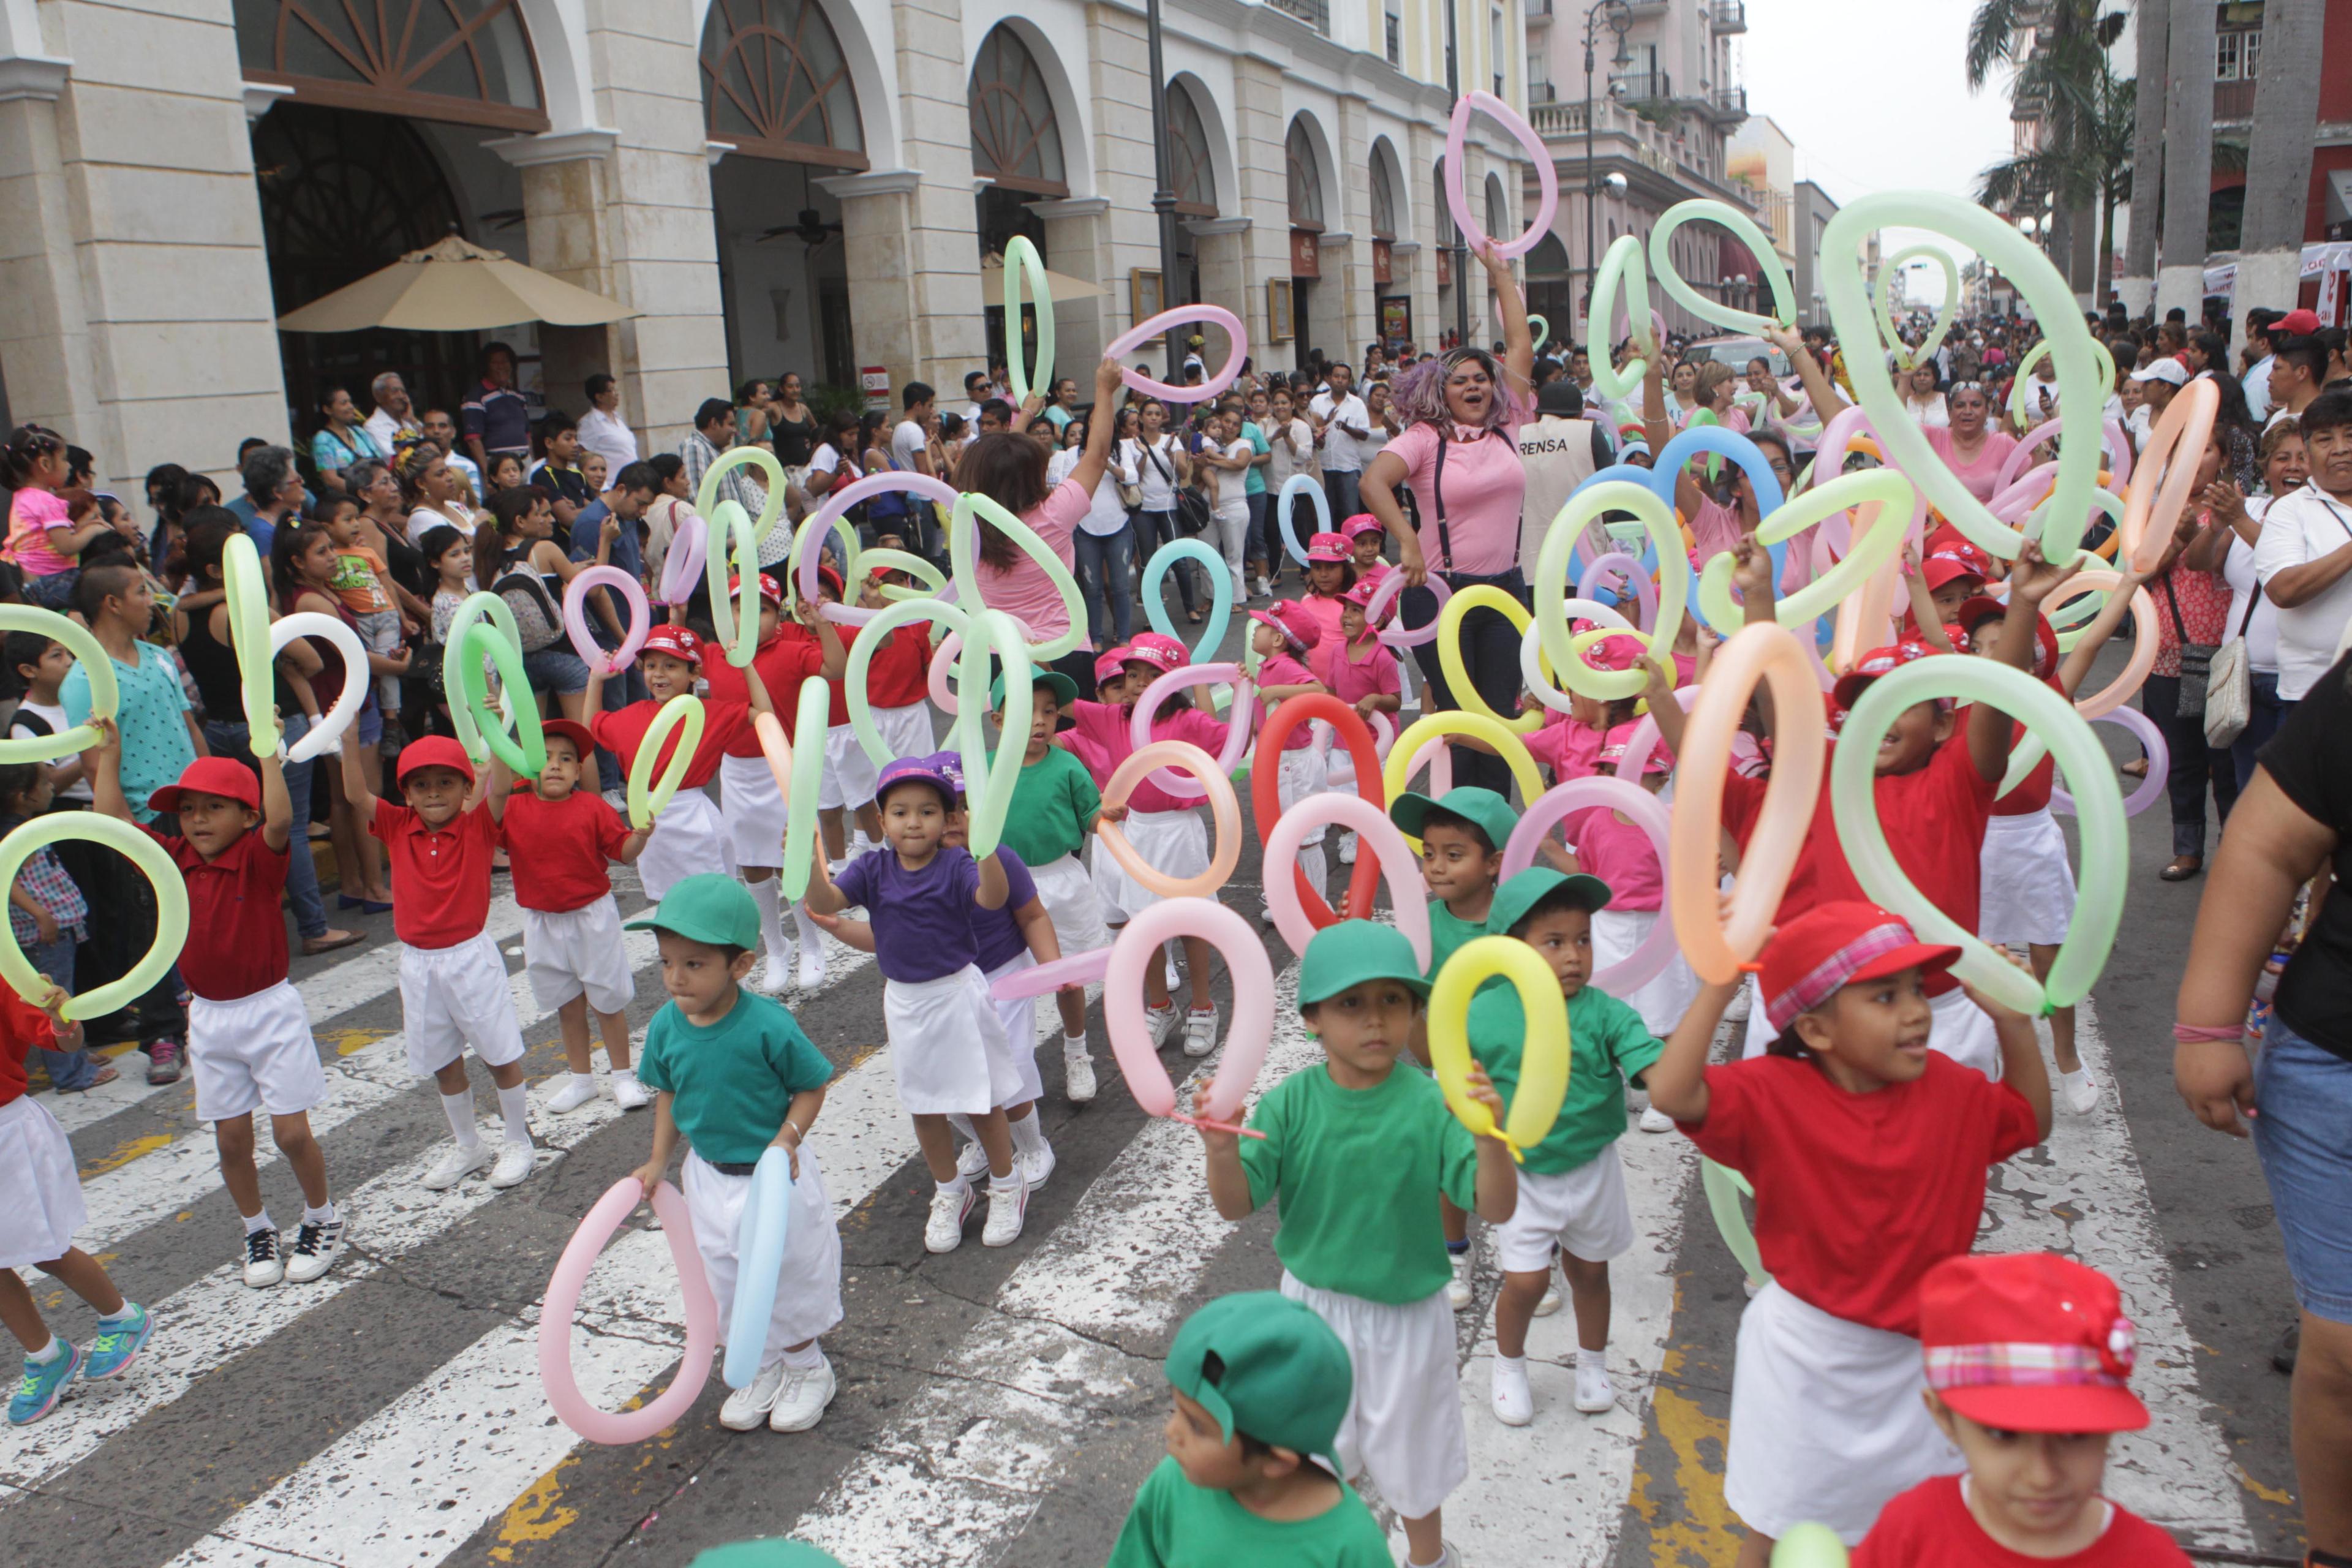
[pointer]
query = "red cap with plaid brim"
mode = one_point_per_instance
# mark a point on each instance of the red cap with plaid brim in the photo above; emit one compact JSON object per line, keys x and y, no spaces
{"x":676,"y":641}
{"x":1327,"y":549}
{"x":1878,"y":661}
{"x":1293,"y":620}
{"x":770,"y":589}
{"x":1984,"y":607}
{"x":434,"y":752}
{"x":2030,"y":1343}
{"x":1948,"y":567}
{"x":223,"y":777}
{"x":1834,"y":945}
{"x":1361,"y":596}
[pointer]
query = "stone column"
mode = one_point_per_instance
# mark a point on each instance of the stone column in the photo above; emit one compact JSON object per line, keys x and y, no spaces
{"x":1127,"y":236}
{"x":1265,"y":198}
{"x":1423,"y":144}
{"x":44,"y":333}
{"x":937,"y":241}
{"x":1353,"y":261}
{"x":1227,"y":269}
{"x":569,"y":225}
{"x":1078,"y":246}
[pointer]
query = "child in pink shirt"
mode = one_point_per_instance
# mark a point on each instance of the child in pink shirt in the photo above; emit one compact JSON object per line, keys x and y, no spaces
{"x":1355,"y":665}
{"x":1365,"y":536}
{"x":1282,"y":634}
{"x":1330,"y":573}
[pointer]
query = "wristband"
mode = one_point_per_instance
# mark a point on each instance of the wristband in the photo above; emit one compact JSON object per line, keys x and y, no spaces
{"x":2198,"y":1034}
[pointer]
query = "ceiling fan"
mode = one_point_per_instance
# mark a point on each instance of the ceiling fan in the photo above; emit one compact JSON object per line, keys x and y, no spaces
{"x":809,"y":228}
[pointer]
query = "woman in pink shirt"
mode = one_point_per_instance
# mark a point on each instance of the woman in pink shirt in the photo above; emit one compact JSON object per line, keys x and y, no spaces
{"x":1968,"y":445}
{"x":1010,"y":469}
{"x":1460,"y":455}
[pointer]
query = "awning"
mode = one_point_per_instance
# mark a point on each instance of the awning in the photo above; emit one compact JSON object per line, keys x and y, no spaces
{"x":454,"y":287}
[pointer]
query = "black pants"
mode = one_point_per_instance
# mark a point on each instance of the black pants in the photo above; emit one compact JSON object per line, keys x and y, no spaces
{"x":2196,"y":766}
{"x":1490,"y":656}
{"x":1152,"y":530}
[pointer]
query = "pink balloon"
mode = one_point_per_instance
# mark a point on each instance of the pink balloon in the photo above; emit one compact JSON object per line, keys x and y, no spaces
{"x":1136,"y":336}
{"x":575,"y":616}
{"x":2118,"y":451}
{"x":2160,"y":763}
{"x":943,"y":660}
{"x":1838,"y":436}
{"x":1225,"y":809}
{"x":1078,"y":969}
{"x":1237,"y":723}
{"x":682,"y":567}
{"x":1642,"y":965}
{"x":1399,"y":635}
{"x":1339,"y":764}
{"x":810,"y":543}
{"x":1252,"y":1030}
{"x":1380,"y":837}
{"x":1645,"y":738}
{"x":580,"y":1254}
{"x":1645,"y":591}
{"x":1478,"y":101}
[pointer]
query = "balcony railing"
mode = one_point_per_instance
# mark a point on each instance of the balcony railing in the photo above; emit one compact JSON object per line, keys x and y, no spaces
{"x":1641,"y":87}
{"x":1315,"y":14}
{"x":1538,"y":13}
{"x":1544,"y":92}
{"x":1731,"y":15}
{"x":1729,"y":103}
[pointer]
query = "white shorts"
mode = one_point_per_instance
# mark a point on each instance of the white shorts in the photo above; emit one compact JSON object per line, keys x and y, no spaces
{"x":752,"y":810}
{"x":1584,"y":1210}
{"x":452,"y":997}
{"x":849,"y":773}
{"x":1666,"y":996}
{"x":808,"y":1286}
{"x":1019,"y":1017}
{"x":256,"y":1053}
{"x":1962,"y":1031}
{"x":906,"y":731}
{"x":1827,"y":1424}
{"x":568,"y":951}
{"x":37,"y":1171}
{"x":1067,"y":890}
{"x":948,"y":1050}
{"x":688,"y":839}
{"x":2026,"y":885}
{"x":1403,"y":1426}
{"x":1303,"y":774}
{"x":1173,"y":843}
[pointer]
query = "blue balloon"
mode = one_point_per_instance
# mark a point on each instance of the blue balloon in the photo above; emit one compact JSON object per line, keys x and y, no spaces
{"x":1220,"y":598}
{"x":760,"y":1249}
{"x":1313,"y":487}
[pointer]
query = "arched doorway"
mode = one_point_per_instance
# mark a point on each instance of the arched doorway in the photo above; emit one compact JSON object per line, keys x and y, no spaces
{"x":776,"y":90}
{"x":1016,"y":148}
{"x":1193,"y":176}
{"x":375,"y":150}
{"x":1551,"y":289}
{"x":1393,"y":304}
{"x":1305,"y":180}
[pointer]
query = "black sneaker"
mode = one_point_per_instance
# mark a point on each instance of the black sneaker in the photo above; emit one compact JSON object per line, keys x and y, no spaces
{"x":263,"y":1265}
{"x":316,"y":1246}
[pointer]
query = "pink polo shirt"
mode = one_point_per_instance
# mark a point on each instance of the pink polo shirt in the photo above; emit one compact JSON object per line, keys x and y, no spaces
{"x":1281,"y":670}
{"x":1485,"y":490}
{"x":1022,"y":589}
{"x":1355,"y":671}
{"x":1982,"y":476}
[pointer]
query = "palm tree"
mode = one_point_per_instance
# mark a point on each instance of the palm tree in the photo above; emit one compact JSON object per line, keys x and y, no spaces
{"x":2278,"y":171}
{"x":2062,"y":77}
{"x":2187,"y":160}
{"x":2098,"y":161}
{"x":2148,"y":153}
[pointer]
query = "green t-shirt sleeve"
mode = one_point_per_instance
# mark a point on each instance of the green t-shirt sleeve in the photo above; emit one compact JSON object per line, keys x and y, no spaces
{"x":1629,"y":1039}
{"x":1262,"y":1157}
{"x":1142,"y":1541}
{"x":1496,"y":1029}
{"x":1457,"y":1156}
{"x":800,"y":1065}
{"x":652,"y":1062}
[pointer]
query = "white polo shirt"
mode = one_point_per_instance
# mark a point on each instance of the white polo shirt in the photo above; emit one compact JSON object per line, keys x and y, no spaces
{"x":2300,"y":528}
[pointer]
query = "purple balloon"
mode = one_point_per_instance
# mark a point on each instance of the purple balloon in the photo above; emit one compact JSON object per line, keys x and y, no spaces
{"x":2160,"y":763}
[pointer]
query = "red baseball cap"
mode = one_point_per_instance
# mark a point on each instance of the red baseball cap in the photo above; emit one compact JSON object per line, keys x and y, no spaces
{"x":676,"y":641}
{"x":1949,"y":566}
{"x":828,"y":577}
{"x":1294,"y":621}
{"x":574,"y":731}
{"x":1328,"y":548}
{"x":1878,"y":661}
{"x":2030,"y":1343}
{"x":1834,"y":945}
{"x":223,"y":777}
{"x":434,"y":752}
{"x":1112,"y":664}
{"x":1984,"y":607}
{"x":770,"y":589}
{"x":1622,"y":651}
{"x":2297,"y":323}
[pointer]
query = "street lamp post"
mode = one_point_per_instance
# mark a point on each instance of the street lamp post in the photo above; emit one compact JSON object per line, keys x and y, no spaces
{"x":1461,"y":249}
{"x":1163,"y":194}
{"x":1620,"y":19}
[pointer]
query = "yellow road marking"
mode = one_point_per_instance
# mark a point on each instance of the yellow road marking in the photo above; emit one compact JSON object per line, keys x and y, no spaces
{"x":1691,"y":1527}
{"x":538,"y":1515}
{"x":344,"y":1042}
{"x":123,"y":1154}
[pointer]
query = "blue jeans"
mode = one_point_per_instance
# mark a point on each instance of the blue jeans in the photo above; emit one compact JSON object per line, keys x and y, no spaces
{"x":2303,"y":1139}
{"x":2262,"y":720}
{"x":69,"y":1070}
{"x":555,"y":670}
{"x":1259,"y":546}
{"x":301,"y":872}
{"x":1104,"y":562}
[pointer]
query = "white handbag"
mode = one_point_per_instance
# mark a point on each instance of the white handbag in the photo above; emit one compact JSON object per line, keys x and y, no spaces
{"x":2229,"y":683}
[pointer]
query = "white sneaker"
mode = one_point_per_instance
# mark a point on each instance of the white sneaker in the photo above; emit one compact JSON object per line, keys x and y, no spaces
{"x":972,"y":1162}
{"x":317,"y":1245}
{"x":775,"y":975}
{"x":1346,"y":850}
{"x":1457,"y":1289}
{"x":800,"y":1404}
{"x":943,"y":1232}
{"x":746,"y":1406}
{"x":1034,"y":1166}
{"x":628,"y":1093}
{"x":1656,"y":1120}
{"x":1594,"y":1393}
{"x":1077,"y":1071}
{"x":811,"y":973}
{"x":618,"y":799}
{"x":1163,"y":1023}
{"x":1200,"y":1031}
{"x":2078,"y":1091}
{"x":578,"y":1090}
{"x":264,"y":1264}
{"x":1514,"y":1402}
{"x":1006,"y":1207}
{"x":514,"y":1163}
{"x":456,"y":1162}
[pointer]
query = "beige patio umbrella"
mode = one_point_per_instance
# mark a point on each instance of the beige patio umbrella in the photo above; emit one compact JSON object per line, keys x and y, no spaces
{"x":454,"y":287}
{"x":1064,"y":287}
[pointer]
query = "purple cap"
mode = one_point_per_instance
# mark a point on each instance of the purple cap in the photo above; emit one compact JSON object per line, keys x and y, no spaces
{"x":916,"y":770}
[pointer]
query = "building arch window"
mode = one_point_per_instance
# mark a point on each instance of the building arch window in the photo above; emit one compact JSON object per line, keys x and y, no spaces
{"x":1306,"y":183}
{"x":1015,"y":140}
{"x":1189,"y":172}
{"x":774,"y":84}
{"x":1498,"y":218}
{"x":1445,"y":236}
{"x":1384,"y":220}
{"x":467,"y":61}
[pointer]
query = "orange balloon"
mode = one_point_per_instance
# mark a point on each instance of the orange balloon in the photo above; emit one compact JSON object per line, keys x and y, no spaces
{"x":1224,"y":810}
{"x":2112,"y":695}
{"x":1716,"y":947}
{"x":2160,"y":485}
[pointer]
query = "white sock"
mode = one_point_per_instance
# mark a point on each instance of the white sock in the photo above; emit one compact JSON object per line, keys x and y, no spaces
{"x":514,"y":1109}
{"x":1597,"y":1360}
{"x":629,"y":1073}
{"x":771,"y":925}
{"x":1517,"y":1363}
{"x":1028,"y":1135}
{"x":124,"y":1316}
{"x":958,"y":1185}
{"x":809,"y":1357}
{"x":1004,"y":1183}
{"x":584,"y":1080}
{"x":48,"y":1353}
{"x":1076,"y":1042}
{"x":1312,"y":861}
{"x":258,"y":1222}
{"x":460,"y":1109}
{"x":812,"y":939}
{"x":323,"y":1215}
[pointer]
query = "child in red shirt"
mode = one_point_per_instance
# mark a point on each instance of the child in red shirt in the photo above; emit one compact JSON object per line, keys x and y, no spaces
{"x":558,"y":838}
{"x":2028,"y":1358}
{"x":453,"y":983}
{"x":1285,"y":632}
{"x":250,"y":1040}
{"x":692,"y":839}
{"x":1868,"y":1154}
{"x":749,"y":805}
{"x":37,"y":1222}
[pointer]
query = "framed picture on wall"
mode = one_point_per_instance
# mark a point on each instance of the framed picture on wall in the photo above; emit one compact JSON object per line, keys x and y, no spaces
{"x":1144,"y":296}
{"x":1278,"y":325}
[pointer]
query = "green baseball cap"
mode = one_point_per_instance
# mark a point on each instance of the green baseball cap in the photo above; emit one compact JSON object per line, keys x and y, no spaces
{"x":1065,"y":690}
{"x":711,"y":908}
{"x":1490,"y":810}
{"x":1284,"y":1378}
{"x":771,"y":1553}
{"x":1523,"y":893}
{"x":1353,"y":952}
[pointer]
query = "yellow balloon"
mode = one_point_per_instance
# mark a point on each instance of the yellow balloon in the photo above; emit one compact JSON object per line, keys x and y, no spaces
{"x":104,"y":695}
{"x":646,"y":796}
{"x":153,"y":863}
{"x":1484,"y":595}
{"x":1544,"y":1059}
{"x":1455,"y":722}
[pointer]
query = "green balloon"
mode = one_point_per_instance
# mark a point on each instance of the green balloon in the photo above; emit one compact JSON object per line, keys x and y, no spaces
{"x":1725,"y":1188}
{"x":1808,"y":1546}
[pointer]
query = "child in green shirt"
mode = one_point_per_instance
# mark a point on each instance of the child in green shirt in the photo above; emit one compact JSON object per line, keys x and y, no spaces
{"x":1462,"y":835}
{"x":1261,"y":1386}
{"x":1352,"y":1150}
{"x":1049,"y":824}
{"x":1571,"y":1184}
{"x":733,"y":1072}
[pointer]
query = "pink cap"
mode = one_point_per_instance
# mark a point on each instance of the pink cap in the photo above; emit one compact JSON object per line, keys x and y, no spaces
{"x":1329,"y":548}
{"x":1293,"y":620}
{"x":1109,"y":665}
{"x":1361,"y":523}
